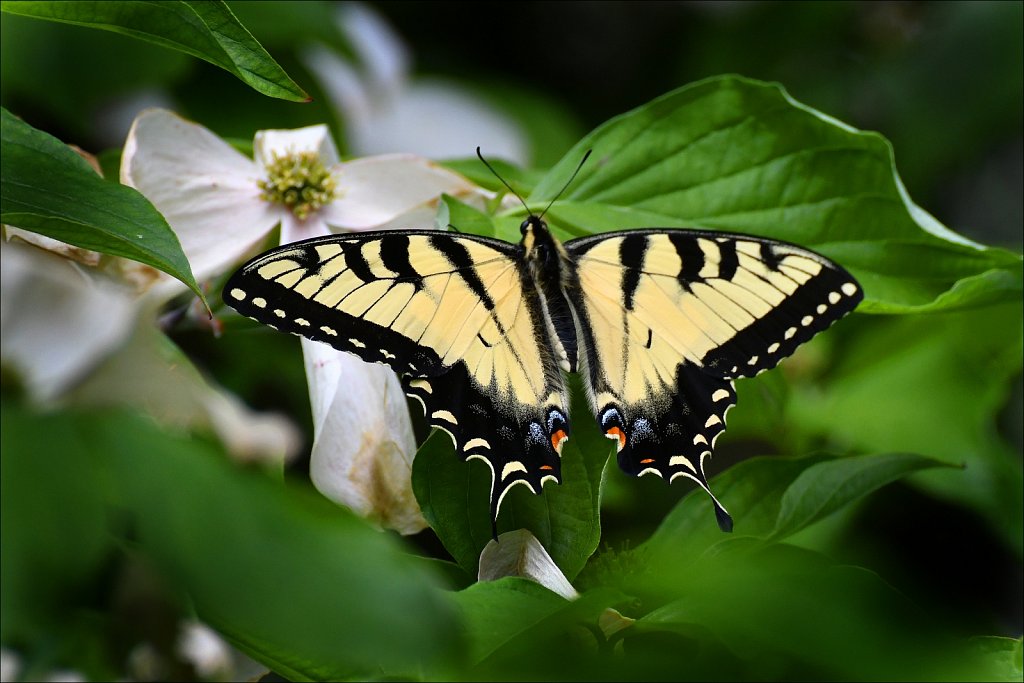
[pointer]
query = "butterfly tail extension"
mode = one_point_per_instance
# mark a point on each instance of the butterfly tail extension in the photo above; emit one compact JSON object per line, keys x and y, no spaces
{"x":673,"y":437}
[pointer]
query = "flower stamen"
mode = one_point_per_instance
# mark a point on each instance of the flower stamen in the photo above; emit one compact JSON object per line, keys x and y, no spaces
{"x":299,"y":181}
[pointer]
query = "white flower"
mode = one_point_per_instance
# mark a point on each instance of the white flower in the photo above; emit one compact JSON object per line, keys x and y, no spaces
{"x":10,"y":665}
{"x":519,"y":553}
{"x":74,"y":330}
{"x":57,"y":322}
{"x":205,"y":649}
{"x":210,"y":193}
{"x":222,"y":204}
{"x":73,"y":335}
{"x":385,"y":110}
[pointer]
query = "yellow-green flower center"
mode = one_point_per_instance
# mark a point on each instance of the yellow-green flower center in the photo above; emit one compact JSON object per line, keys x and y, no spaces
{"x":300,"y":181}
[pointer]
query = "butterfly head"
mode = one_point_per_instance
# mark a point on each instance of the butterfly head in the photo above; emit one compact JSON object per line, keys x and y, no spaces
{"x":539,"y":244}
{"x":532,"y":225}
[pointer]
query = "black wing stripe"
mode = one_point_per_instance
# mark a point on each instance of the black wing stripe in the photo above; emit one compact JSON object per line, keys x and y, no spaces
{"x":462,"y":262}
{"x":394,"y":254}
{"x":691,"y":257}
{"x":728,"y":261}
{"x":631,"y":254}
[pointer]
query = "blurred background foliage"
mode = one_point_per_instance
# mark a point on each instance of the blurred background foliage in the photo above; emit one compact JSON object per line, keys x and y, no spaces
{"x":942,"y":81}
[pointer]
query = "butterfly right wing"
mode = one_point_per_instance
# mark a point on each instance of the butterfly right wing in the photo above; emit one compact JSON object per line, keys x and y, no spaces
{"x":669,"y":318}
{"x":452,"y":314}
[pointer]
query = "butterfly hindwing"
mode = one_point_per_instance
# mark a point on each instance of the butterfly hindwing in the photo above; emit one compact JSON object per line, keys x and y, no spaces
{"x":520,"y":443}
{"x":450,"y":314}
{"x":668,"y":318}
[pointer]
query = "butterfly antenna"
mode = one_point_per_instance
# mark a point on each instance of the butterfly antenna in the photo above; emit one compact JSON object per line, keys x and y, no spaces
{"x":567,"y":184}
{"x":491,"y":169}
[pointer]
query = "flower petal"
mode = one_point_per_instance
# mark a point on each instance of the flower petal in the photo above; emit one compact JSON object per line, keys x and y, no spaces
{"x":204,"y":188}
{"x":293,"y":229}
{"x":363,"y":441}
{"x":153,"y":376}
{"x":271,"y":143}
{"x":56,"y":321}
{"x":377,"y":190}
{"x":439,"y":120}
{"x":68,"y":251}
{"x":205,"y":649}
{"x":384,"y":112}
{"x":385,"y":58}
{"x":519,"y":553}
{"x":343,"y":85}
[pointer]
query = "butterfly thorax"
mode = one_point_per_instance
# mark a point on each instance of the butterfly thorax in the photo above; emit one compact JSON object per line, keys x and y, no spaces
{"x":552,"y":273}
{"x":546,"y":257}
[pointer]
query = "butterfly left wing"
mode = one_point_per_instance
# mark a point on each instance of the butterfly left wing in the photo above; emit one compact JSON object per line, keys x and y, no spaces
{"x":450,"y":314}
{"x":668,"y":318}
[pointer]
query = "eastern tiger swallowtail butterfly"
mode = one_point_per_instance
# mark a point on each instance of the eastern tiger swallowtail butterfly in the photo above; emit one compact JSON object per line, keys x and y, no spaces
{"x":659,"y":322}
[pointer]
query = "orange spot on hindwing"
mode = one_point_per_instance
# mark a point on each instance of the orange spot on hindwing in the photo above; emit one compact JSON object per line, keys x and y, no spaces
{"x":557,"y":439}
{"x":647,"y":461}
{"x":616,"y":433}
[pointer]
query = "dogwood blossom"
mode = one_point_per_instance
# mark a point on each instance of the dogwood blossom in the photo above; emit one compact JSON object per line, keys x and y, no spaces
{"x":385,"y":108}
{"x":72,"y":334}
{"x":222,"y":205}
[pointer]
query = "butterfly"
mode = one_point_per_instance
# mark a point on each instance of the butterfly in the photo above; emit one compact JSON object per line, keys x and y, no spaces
{"x":658,"y":322}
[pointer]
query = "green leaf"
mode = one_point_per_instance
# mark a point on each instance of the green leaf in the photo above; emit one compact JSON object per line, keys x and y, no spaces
{"x":301,"y":584}
{"x":522,"y":631}
{"x":47,"y":188}
{"x":752,"y":491}
{"x":823,"y":488}
{"x":771,"y":498}
{"x":454,"y":498}
{"x":53,"y":523}
{"x":738,"y":155}
{"x":791,"y":614}
{"x":521,"y":179}
{"x":1004,"y":656}
{"x":497,"y":611}
{"x":207,"y":30}
{"x":456,"y":214}
{"x":931,"y":385}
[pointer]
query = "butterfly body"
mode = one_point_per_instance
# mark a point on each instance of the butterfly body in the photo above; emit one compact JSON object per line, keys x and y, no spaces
{"x":659,"y":322}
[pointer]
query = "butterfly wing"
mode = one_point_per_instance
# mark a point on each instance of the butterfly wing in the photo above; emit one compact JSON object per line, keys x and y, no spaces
{"x":452,"y":314}
{"x":668,"y":318}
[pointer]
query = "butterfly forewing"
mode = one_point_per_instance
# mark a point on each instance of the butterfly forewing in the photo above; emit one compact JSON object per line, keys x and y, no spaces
{"x":450,"y":314}
{"x":668,"y":318}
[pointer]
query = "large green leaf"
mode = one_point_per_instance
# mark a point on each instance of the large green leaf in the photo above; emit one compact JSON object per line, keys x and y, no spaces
{"x":522,"y":631}
{"x":785,"y":613}
{"x":566,"y":519}
{"x":497,"y":611}
{"x":932,"y":385}
{"x":302,"y":585}
{"x":739,"y":155}
{"x":828,"y":486}
{"x":207,"y":30}
{"x":1004,"y":655}
{"x":47,"y":188}
{"x":53,"y":524}
{"x":770,"y":498}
